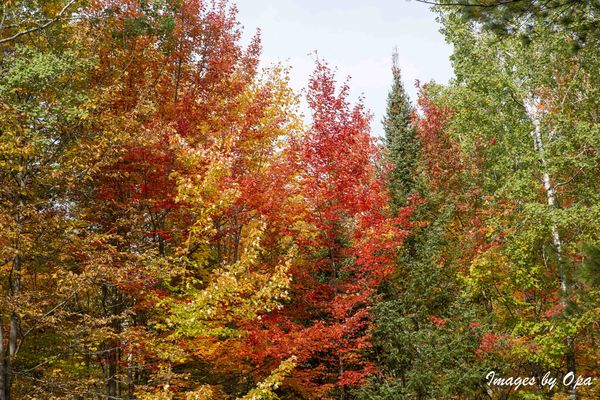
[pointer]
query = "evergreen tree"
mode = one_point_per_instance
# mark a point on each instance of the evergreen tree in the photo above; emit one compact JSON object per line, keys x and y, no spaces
{"x":426,"y":339}
{"x":529,"y":18}
{"x":400,"y":139}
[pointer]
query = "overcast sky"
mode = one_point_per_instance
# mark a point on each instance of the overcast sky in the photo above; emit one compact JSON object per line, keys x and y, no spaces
{"x":357,"y":37}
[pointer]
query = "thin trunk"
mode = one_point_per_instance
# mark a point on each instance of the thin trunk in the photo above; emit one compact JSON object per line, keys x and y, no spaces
{"x":14,"y":319}
{"x":341,"y":371}
{"x":236,"y":243}
{"x":111,"y":308}
{"x":12,"y":352}
{"x":161,"y":246}
{"x":130,"y":375}
{"x":177,"y":77}
{"x":3,"y":380}
{"x":8,"y":355}
{"x":334,"y":275}
{"x":535,"y":115}
{"x":111,"y":383}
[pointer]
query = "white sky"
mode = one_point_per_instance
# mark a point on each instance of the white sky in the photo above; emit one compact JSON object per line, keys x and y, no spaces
{"x":357,"y":37}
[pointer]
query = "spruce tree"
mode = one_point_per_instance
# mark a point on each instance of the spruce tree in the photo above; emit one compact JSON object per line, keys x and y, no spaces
{"x":400,"y":139}
{"x":424,"y":346}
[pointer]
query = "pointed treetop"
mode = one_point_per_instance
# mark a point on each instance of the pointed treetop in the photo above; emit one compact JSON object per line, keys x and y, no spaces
{"x":395,"y":64}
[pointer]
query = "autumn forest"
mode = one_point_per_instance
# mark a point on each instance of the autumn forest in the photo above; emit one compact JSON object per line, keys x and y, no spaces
{"x":173,"y":224}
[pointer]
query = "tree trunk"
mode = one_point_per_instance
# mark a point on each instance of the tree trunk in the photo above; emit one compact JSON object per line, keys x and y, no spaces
{"x":12,"y":352}
{"x":341,"y":371}
{"x":111,"y":306}
{"x":3,"y":377}
{"x":535,"y":115}
{"x":8,"y":355}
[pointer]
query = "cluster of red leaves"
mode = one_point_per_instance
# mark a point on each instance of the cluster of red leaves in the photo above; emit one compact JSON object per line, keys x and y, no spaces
{"x":165,"y":73}
{"x":442,"y":153}
{"x":326,"y":191}
{"x":349,"y":248}
{"x":492,"y":343}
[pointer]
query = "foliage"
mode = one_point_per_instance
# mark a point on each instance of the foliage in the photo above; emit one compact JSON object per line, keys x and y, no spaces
{"x":530,"y":19}
{"x":171,"y":230}
{"x":401,"y":141}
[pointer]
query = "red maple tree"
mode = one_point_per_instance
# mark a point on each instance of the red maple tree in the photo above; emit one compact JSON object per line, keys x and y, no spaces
{"x":347,"y":241}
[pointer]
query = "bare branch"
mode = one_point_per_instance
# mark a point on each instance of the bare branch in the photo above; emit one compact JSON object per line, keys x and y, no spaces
{"x":40,"y":27}
{"x":459,"y":4}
